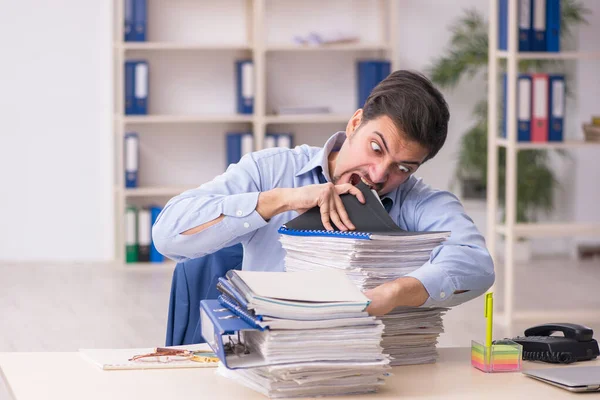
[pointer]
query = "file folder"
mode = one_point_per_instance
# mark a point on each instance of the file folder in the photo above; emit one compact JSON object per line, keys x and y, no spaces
{"x":131,"y":243}
{"x":539,"y":115}
{"x":141,"y":88}
{"x":553,"y":25}
{"x":270,"y":140}
{"x":131,"y":159}
{"x":285,"y":140}
{"x":539,"y":25}
{"x":523,"y":107}
{"x":556,"y":107}
{"x":129,"y":87}
{"x":524,"y":11}
{"x":238,"y":145}
{"x":155,"y":256}
{"x":128,"y":20}
{"x":245,"y":86}
{"x":224,"y":332}
{"x":144,"y":234}
{"x":140,"y":19}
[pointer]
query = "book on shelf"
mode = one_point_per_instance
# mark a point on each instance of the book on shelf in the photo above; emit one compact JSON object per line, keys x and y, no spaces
{"x":540,"y":107}
{"x":237,"y":145}
{"x":136,"y":87}
{"x":135,"y":15}
{"x":538,"y":22}
{"x":132,"y":156}
{"x":369,"y":73}
{"x":244,"y":77}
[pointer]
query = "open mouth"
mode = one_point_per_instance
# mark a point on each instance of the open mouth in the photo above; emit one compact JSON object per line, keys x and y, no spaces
{"x":355,"y":179}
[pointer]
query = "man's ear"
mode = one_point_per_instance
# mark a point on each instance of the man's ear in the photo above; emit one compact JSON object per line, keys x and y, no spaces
{"x":354,"y":122}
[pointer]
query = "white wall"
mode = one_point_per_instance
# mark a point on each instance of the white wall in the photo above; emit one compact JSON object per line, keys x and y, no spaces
{"x":56,"y":140}
{"x":55,"y":135}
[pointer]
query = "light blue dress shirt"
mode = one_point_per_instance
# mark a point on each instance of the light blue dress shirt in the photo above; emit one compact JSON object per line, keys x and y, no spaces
{"x":461,"y":263}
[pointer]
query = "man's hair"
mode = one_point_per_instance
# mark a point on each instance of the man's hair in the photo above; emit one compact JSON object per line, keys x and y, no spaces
{"x":414,"y":105}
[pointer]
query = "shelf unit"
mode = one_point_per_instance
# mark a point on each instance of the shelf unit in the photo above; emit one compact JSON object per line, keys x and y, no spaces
{"x":258,"y":48}
{"x":511,"y":230}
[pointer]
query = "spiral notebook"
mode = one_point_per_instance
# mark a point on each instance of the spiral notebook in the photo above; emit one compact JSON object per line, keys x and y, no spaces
{"x":371,"y":220}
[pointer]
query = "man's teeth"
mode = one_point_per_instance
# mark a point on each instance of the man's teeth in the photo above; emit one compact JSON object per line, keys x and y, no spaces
{"x":366,"y":183}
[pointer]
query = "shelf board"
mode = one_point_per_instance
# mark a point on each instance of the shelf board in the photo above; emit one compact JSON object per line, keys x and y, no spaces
{"x":503,"y":142}
{"x":307,"y":118}
{"x":147,"y":46}
{"x":552,"y":230}
{"x":166,"y":191}
{"x":185,"y":119}
{"x":327,"y":47}
{"x":563,"y":55}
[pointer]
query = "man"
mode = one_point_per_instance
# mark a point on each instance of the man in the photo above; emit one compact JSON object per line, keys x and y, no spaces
{"x":402,"y":124}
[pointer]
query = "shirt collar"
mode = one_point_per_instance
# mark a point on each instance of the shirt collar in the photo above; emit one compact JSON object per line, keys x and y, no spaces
{"x":321,"y":158}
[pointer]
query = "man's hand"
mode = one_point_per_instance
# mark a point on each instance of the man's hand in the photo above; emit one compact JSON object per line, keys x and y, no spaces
{"x":327,"y":197}
{"x":406,"y":291}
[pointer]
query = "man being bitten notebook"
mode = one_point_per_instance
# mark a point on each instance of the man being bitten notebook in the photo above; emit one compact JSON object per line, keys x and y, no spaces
{"x":402,"y":124}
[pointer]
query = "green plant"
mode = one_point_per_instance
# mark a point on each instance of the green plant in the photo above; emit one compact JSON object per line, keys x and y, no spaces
{"x":466,"y":57}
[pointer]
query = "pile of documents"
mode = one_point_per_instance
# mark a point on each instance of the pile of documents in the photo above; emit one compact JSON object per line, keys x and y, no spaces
{"x":295,"y":334}
{"x":410,"y":335}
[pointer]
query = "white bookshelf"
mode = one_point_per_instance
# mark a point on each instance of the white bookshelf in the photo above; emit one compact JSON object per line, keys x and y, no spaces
{"x":511,"y":230}
{"x":182,"y":20}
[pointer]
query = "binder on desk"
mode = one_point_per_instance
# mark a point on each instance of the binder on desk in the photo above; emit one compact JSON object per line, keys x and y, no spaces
{"x":245,"y":86}
{"x":539,"y":106}
{"x":223,"y":331}
{"x":553,"y":25}
{"x":523,"y":107}
{"x":525,"y":21}
{"x":144,"y":234}
{"x":155,"y":256}
{"x":129,"y":87}
{"x":128,"y":20}
{"x":131,"y":159}
{"x":370,"y":219}
{"x":131,"y":242}
{"x":556,"y":107}
{"x":140,"y":20}
{"x":539,"y":25}
{"x":140,"y":92}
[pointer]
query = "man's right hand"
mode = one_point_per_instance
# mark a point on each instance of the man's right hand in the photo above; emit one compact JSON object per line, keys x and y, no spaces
{"x":327,"y":197}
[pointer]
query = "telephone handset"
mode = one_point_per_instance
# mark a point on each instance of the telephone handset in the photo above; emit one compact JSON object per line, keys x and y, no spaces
{"x":577,"y":344}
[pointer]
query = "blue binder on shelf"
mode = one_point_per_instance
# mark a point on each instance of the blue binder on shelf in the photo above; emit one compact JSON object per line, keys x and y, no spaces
{"x":131,"y":146}
{"x":140,"y":20}
{"x":244,"y":72}
{"x":524,"y":88}
{"x":128,"y":20}
{"x":369,"y":74}
{"x":539,"y":25}
{"x":553,"y":25}
{"x":155,"y":256}
{"x":140,"y":92}
{"x":223,"y":331}
{"x":556,"y":107}
{"x":285,"y":140}
{"x":238,"y":145}
{"x":129,"y":87}
{"x":524,"y":12}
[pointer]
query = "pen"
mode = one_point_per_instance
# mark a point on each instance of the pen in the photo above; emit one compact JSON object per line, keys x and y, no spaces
{"x":489,"y":311}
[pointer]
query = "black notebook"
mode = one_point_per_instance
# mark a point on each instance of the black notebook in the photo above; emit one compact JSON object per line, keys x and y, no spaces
{"x":369,"y":219}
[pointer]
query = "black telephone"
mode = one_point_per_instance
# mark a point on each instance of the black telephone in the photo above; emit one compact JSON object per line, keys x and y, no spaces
{"x":577,"y":344}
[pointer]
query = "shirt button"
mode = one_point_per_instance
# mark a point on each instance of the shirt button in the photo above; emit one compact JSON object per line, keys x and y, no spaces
{"x":442,"y":295}
{"x":246,"y":225}
{"x":239,"y":213}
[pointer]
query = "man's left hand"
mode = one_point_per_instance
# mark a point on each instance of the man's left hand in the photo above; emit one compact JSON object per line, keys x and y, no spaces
{"x":406,"y":291}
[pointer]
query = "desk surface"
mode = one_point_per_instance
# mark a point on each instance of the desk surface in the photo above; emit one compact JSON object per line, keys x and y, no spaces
{"x":68,"y":376}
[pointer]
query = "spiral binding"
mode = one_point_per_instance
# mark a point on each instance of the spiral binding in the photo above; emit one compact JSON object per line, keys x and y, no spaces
{"x":317,"y":232}
{"x":237,"y":310}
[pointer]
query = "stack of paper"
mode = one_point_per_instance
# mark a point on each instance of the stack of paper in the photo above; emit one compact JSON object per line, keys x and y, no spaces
{"x":304,"y":336}
{"x":410,"y":335}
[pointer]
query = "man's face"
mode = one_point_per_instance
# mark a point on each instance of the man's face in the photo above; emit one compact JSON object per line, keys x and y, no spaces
{"x":376,"y":153}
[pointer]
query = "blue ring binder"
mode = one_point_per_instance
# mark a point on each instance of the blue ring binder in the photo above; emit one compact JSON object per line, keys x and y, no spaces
{"x":316,"y":232}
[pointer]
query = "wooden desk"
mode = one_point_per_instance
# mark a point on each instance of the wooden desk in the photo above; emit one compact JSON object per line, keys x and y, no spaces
{"x":34,"y":376}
